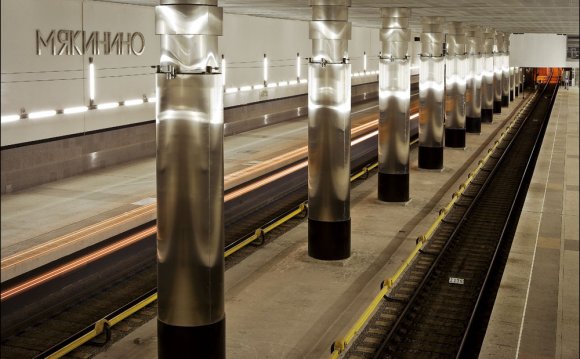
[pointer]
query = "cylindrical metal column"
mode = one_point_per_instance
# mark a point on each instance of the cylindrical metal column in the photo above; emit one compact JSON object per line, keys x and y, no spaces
{"x":394,"y":100}
{"x":497,"y":72}
{"x":329,"y":131}
{"x":512,"y":83}
{"x":522,"y":80}
{"x":455,"y":85}
{"x":473,"y":95}
{"x":431,"y":94}
{"x":190,"y":189}
{"x":517,"y":81}
{"x":505,"y":79}
{"x":487,"y":84}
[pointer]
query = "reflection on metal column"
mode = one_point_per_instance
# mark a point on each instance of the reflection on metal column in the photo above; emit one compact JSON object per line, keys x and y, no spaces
{"x":431,"y":94}
{"x":329,"y":131}
{"x":512,"y":83}
{"x":518,"y":78}
{"x":505,"y":73}
{"x":497,"y":72}
{"x":455,"y":85}
{"x":473,"y":96}
{"x":522,"y":80}
{"x":487,"y":84}
{"x":190,"y":189}
{"x":394,"y":100}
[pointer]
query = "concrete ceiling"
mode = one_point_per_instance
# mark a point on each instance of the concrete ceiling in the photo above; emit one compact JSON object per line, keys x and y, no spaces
{"x":537,"y":16}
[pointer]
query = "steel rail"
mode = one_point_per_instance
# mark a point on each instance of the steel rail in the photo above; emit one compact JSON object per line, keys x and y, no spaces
{"x":441,"y":254}
{"x":387,"y":285}
{"x":529,"y":167}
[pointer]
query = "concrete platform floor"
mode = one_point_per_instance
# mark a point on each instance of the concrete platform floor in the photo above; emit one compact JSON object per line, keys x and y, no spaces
{"x":282,"y":304}
{"x":46,"y":222}
{"x":536,"y":309}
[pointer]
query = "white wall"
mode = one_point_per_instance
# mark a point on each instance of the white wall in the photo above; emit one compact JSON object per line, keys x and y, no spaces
{"x":247,"y":38}
{"x":46,"y":82}
{"x":537,"y":50}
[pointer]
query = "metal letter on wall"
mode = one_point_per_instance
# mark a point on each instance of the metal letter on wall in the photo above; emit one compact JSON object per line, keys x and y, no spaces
{"x":190,"y":187}
{"x":45,"y":42}
{"x":329,"y":99}
{"x":394,"y":100}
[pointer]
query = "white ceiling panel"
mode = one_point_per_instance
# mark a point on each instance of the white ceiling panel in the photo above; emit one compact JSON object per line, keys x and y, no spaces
{"x":535,"y":16}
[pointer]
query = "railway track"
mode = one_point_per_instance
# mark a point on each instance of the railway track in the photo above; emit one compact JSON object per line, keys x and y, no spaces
{"x":440,"y":307}
{"x":46,"y":327}
{"x":43,"y":338}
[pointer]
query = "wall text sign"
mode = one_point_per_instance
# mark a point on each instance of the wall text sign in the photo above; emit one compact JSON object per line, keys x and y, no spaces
{"x":72,"y":42}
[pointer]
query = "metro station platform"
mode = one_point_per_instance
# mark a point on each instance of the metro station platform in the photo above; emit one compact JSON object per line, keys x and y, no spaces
{"x":280,"y":303}
{"x":536,"y":309}
{"x":79,"y":211}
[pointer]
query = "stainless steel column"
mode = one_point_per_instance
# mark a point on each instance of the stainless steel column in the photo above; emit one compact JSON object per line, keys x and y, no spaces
{"x":517,"y":81}
{"x":497,"y":72}
{"x":455,"y":85}
{"x":329,"y":131}
{"x":505,"y":79}
{"x":487,"y":84}
{"x":522,"y":80}
{"x":190,"y":191}
{"x":512,"y":83}
{"x":394,"y":100}
{"x":431,"y":94}
{"x":473,"y":95}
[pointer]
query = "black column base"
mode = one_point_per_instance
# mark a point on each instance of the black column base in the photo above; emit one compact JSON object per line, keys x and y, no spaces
{"x":496,"y":106}
{"x":505,"y":101}
{"x":472,"y":124}
{"x":522,"y":88}
{"x":455,"y":137}
{"x":486,"y":115}
{"x":328,"y":241}
{"x":393,"y":187}
{"x":430,"y":158}
{"x":512,"y":95}
{"x":517,"y":89}
{"x":206,"y":341}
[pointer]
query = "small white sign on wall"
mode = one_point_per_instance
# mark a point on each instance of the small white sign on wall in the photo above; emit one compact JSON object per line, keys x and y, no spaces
{"x":538,"y":50}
